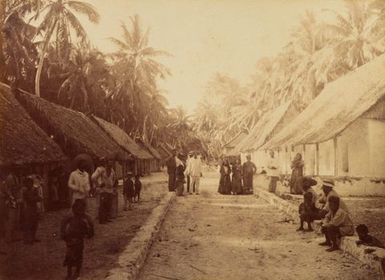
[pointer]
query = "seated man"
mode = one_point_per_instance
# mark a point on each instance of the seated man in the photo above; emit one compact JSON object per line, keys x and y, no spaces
{"x":366,"y":239}
{"x":336,"y":224}
{"x":307,"y":210}
{"x":328,"y":191}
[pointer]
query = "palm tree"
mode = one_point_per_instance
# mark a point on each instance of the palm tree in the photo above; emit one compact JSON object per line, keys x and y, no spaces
{"x":358,"y":35}
{"x":137,"y":72}
{"x":84,"y":77}
{"x":60,"y":19}
{"x":137,"y":57}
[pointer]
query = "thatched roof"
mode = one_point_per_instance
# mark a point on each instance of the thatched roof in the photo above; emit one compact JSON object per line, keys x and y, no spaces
{"x":73,"y":131}
{"x":122,"y":138}
{"x":235,"y":140}
{"x":164,"y":152}
{"x":149,"y":148}
{"x":22,"y":140}
{"x":337,"y":106}
{"x":264,"y":129}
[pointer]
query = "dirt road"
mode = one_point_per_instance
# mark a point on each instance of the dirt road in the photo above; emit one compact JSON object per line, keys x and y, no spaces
{"x":239,"y":237}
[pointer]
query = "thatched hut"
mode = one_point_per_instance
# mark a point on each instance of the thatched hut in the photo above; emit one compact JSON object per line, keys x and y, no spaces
{"x":155,"y":163}
{"x":73,"y":131}
{"x":24,"y":144}
{"x":164,"y":153}
{"x":341,"y":132}
{"x":140,"y":155}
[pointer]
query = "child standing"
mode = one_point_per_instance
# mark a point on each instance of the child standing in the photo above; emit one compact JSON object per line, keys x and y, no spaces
{"x":73,"y":231}
{"x":128,"y":192}
{"x":138,"y":188}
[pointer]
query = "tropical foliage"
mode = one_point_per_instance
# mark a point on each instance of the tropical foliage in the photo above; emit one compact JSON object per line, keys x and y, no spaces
{"x":318,"y":52}
{"x":46,"y":51}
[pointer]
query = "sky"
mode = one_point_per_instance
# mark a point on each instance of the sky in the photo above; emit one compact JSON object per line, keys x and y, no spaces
{"x":205,"y":36}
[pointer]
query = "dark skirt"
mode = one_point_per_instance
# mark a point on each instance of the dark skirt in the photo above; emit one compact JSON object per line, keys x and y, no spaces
{"x":224,"y":184}
{"x":236,"y":183}
{"x":74,"y":254}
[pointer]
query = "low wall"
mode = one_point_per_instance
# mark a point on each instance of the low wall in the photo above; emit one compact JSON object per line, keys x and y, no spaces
{"x":345,"y":186}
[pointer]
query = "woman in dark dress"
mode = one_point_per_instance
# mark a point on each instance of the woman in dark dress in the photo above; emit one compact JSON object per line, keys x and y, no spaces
{"x":296,"y":175}
{"x":225,"y":181}
{"x":236,"y":180}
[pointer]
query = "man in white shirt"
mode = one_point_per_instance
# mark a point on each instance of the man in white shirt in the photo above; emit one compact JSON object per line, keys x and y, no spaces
{"x":79,"y":182}
{"x":195,"y":172}
{"x":273,"y":171}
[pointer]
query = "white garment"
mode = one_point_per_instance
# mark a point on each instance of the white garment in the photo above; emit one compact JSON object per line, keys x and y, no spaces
{"x":195,"y":167}
{"x":102,"y":179}
{"x":188,"y":166}
{"x":195,"y":180}
{"x":79,"y":183}
{"x":273,"y":167}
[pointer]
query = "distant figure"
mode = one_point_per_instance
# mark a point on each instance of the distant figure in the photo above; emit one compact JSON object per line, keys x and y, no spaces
{"x":273,"y":172}
{"x":236,"y":179}
{"x":73,"y":231}
{"x":171,"y":168}
{"x":225,"y":181}
{"x":138,"y":188}
{"x":336,"y":224}
{"x":79,"y":182}
{"x":366,"y":239}
{"x":195,"y":172}
{"x":248,"y":171}
{"x":296,"y":175}
{"x":30,"y":211}
{"x":179,"y":175}
{"x":188,"y":170}
{"x":128,"y":192}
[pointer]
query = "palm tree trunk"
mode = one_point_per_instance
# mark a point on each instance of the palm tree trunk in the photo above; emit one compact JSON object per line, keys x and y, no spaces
{"x":47,"y":37}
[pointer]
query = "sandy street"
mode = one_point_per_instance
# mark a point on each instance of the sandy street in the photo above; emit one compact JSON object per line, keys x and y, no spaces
{"x":239,"y":237}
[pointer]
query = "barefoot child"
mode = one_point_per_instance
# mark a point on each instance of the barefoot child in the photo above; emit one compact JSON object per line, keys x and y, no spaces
{"x":128,"y":192}
{"x":73,"y":231}
{"x":138,"y":188}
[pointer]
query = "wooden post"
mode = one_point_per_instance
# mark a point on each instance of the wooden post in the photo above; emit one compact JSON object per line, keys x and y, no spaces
{"x":335,"y":156}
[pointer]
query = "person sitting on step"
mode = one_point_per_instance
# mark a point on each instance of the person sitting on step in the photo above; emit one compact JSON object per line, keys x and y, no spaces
{"x":336,"y":224}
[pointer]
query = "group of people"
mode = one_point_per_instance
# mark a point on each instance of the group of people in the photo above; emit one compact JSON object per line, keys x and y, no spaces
{"x":330,"y":208}
{"x":21,"y":205}
{"x":236,"y":178}
{"x":183,"y":170}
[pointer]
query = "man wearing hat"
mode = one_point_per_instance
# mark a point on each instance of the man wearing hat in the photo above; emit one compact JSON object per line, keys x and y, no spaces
{"x":328,"y":191}
{"x":248,"y":171}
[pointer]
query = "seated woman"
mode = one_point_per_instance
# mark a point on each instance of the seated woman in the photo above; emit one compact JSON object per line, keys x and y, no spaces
{"x":336,"y":224}
{"x":308,"y":212}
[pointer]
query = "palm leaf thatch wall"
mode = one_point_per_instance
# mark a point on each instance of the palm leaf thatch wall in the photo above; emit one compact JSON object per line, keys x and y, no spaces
{"x":72,"y":130}
{"x":22,"y":141}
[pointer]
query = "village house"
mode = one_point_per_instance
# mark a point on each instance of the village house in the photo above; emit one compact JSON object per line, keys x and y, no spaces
{"x":229,"y":151}
{"x":269,"y":124}
{"x":140,"y":156}
{"x":25,"y":146}
{"x":341,"y":133}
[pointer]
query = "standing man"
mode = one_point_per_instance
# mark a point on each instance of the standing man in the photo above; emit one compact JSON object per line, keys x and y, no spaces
{"x":188,"y":170}
{"x":14,"y":202}
{"x":195,"y":172}
{"x":171,"y":168}
{"x":179,"y":175}
{"x":105,"y":180}
{"x":273,"y":172}
{"x":248,"y":169}
{"x":79,"y":182}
